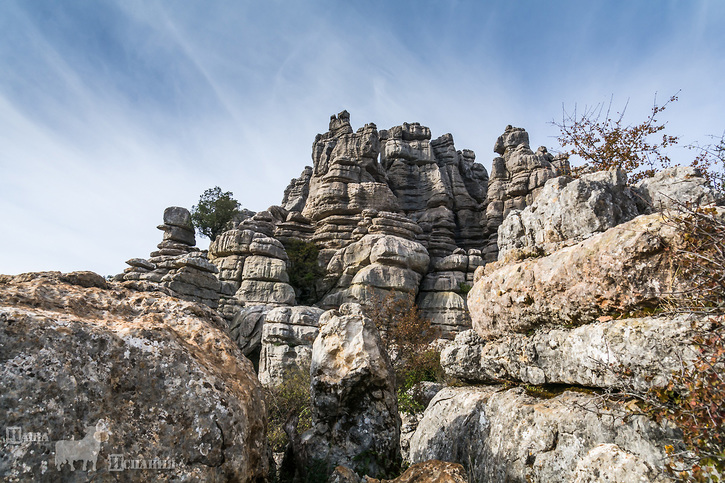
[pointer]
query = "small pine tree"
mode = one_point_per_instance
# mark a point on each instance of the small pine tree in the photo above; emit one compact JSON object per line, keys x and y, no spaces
{"x":215,"y":210}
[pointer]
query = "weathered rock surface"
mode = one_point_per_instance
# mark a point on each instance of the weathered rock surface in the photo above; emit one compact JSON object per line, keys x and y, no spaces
{"x":567,"y":211}
{"x":440,"y":188}
{"x":422,"y":189}
{"x":295,"y":195}
{"x":355,"y":413}
{"x":246,"y":329}
{"x":623,"y":269}
{"x":287,"y":337}
{"x":346,"y":179}
{"x":608,"y":462}
{"x":177,"y":264}
{"x":674,"y":187}
{"x":432,"y":471}
{"x":373,"y":267}
{"x":506,"y":435}
{"x":294,"y":227}
{"x":252,"y":267}
{"x":517,"y":177}
{"x":634,"y":353}
{"x":442,"y":297}
{"x":155,"y":377}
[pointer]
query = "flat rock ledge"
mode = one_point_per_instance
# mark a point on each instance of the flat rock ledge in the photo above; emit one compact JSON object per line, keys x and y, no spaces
{"x":635,"y":353}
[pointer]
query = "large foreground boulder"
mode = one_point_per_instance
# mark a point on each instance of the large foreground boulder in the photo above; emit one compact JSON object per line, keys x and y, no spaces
{"x":626,"y":268}
{"x":506,"y":435}
{"x":355,"y":411}
{"x":104,"y":378}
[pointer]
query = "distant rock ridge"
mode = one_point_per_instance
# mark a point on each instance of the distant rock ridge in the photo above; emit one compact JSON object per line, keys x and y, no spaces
{"x":401,"y":182}
{"x":367,"y":194}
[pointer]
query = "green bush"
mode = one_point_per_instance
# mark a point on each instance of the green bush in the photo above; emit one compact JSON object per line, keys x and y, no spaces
{"x":464,"y":288}
{"x":305,"y":272}
{"x":289,"y":400}
{"x":216,"y":209}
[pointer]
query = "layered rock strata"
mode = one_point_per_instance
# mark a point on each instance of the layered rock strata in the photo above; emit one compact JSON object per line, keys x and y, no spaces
{"x":506,"y":435}
{"x":294,"y":227}
{"x":442,"y":298}
{"x":517,"y":177}
{"x":177,"y":264}
{"x":296,"y":193}
{"x":153,"y":378}
{"x":371,"y":268}
{"x":440,"y":188}
{"x":286,"y":341}
{"x":355,"y":414}
{"x":252,"y":268}
{"x":346,"y":179}
{"x":630,"y":354}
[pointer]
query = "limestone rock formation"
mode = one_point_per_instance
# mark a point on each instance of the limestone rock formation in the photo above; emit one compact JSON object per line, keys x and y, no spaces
{"x":246,"y":329}
{"x":252,"y":267}
{"x":371,"y":268}
{"x":507,"y":435}
{"x":441,"y":189}
{"x":517,"y":177}
{"x":294,"y":227}
{"x":346,"y":179}
{"x":567,"y":211}
{"x":157,"y":377}
{"x":355,"y":413}
{"x":674,"y":187}
{"x":442,"y":298}
{"x":287,"y":337}
{"x":177,"y":264}
{"x":608,"y":462}
{"x":623,"y":269}
{"x":632,"y":353}
{"x":296,"y":193}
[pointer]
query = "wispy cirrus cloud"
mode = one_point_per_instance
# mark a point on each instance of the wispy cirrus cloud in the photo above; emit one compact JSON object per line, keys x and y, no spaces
{"x":113,"y":110}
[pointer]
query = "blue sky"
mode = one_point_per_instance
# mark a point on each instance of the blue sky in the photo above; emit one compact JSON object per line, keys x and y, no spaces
{"x":111,"y":111}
